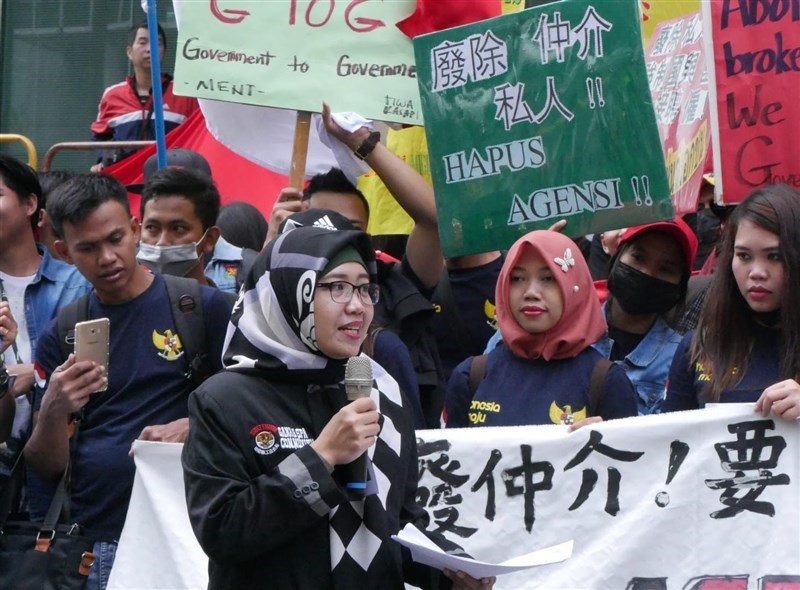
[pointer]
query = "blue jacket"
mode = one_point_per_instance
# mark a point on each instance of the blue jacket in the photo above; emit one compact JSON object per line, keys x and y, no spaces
{"x":56,"y":284}
{"x":647,"y":366}
{"x":224,"y":266}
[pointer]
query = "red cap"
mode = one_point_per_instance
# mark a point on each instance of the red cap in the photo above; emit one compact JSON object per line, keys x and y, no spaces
{"x":676,"y":228}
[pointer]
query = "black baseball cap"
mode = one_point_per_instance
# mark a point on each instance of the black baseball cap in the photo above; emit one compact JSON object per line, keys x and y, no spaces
{"x":176,"y":158}
{"x":324,"y":218}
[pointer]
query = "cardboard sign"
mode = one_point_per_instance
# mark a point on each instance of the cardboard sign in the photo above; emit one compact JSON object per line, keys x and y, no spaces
{"x":657,"y":11}
{"x":296,"y":53}
{"x":755,"y":86}
{"x":676,"y":71}
{"x":540,"y":115}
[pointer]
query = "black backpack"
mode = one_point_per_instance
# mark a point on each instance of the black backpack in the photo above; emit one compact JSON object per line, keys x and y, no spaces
{"x":186,"y":305}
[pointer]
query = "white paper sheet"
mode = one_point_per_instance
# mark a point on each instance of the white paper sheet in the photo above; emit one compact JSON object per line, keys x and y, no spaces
{"x":425,"y":551}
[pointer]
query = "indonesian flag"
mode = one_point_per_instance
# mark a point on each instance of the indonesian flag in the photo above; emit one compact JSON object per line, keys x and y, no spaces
{"x":237,"y":177}
{"x":435,"y":15}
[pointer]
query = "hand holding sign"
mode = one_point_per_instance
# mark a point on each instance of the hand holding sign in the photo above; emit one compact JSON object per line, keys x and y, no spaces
{"x":290,"y":201}
{"x":524,"y":95}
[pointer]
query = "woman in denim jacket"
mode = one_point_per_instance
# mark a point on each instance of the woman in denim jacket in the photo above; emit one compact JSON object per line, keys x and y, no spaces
{"x":648,"y":277}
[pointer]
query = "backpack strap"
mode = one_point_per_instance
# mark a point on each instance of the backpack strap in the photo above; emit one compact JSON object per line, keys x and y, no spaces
{"x":69,"y":315}
{"x":186,"y":305}
{"x":597,"y":384}
{"x":477,"y":371}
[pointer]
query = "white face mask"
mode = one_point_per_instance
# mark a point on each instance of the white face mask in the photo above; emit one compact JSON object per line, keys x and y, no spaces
{"x":176,"y":260}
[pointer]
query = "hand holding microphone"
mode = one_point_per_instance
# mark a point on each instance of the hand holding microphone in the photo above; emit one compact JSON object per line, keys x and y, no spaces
{"x":353,"y":429}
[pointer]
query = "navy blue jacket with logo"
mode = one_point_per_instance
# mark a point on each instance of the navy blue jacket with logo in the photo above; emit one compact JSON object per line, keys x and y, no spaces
{"x":688,"y":381}
{"x":517,"y":391}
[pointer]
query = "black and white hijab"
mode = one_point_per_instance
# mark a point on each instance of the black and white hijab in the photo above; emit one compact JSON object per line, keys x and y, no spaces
{"x":272,"y":326}
{"x":272,"y":334}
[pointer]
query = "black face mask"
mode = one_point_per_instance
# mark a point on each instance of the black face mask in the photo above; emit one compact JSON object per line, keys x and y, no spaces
{"x":639,"y":293}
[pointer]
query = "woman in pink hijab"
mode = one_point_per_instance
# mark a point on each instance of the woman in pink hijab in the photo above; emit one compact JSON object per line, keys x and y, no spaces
{"x":545,"y":371}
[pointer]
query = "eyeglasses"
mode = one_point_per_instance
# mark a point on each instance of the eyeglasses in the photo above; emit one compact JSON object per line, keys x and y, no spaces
{"x":342,"y":292}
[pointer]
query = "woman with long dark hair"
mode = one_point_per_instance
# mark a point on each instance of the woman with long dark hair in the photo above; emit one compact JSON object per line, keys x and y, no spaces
{"x":747,"y":345}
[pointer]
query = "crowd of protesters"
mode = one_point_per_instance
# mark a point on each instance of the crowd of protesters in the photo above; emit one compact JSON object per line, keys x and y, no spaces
{"x":267,"y":336}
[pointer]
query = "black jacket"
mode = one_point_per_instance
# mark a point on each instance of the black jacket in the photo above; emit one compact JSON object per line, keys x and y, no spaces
{"x":259,"y":506}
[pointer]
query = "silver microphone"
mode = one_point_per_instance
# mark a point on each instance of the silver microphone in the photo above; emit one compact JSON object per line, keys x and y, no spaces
{"x":358,"y":377}
{"x":357,"y":384}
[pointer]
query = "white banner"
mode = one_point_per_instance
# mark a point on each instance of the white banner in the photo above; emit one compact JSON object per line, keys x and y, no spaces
{"x":702,"y":500}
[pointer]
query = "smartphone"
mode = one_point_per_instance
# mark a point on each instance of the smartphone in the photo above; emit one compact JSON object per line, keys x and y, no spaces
{"x":91,"y":342}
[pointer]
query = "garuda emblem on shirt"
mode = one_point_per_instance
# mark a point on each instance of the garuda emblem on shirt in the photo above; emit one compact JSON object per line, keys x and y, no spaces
{"x":565,"y":415}
{"x":169,"y":344}
{"x":490,"y":310}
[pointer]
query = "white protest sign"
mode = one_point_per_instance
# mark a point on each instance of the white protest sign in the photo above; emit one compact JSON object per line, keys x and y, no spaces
{"x":294,"y":54}
{"x":701,"y":500}
{"x":653,"y":502}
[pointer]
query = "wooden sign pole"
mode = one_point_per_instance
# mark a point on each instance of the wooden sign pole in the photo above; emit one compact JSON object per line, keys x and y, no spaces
{"x":297,"y":170}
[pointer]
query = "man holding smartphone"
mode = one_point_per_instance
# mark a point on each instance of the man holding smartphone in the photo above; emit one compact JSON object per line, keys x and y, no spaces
{"x":147,"y":384}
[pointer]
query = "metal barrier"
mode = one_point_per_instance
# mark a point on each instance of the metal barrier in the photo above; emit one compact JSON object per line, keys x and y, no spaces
{"x":33,"y":160}
{"x":88,"y":146}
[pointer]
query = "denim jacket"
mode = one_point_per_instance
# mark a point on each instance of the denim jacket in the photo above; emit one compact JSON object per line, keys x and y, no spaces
{"x":224,"y":266}
{"x":648,"y":364}
{"x":56,"y":283}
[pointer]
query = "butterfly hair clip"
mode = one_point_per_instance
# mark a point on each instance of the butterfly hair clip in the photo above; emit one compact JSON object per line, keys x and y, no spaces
{"x":565,"y":262}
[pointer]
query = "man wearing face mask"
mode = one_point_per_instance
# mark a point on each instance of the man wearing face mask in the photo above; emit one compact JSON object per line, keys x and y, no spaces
{"x":179,"y":209}
{"x":648,"y":278}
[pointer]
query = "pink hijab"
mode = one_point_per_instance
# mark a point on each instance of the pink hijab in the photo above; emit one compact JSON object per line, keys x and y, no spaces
{"x":581,"y":323}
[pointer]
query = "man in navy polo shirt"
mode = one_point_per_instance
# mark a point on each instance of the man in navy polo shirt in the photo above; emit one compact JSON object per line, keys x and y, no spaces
{"x":144,"y":395}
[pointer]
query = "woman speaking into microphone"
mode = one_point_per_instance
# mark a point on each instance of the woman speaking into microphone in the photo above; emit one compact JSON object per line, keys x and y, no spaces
{"x":270,"y":437}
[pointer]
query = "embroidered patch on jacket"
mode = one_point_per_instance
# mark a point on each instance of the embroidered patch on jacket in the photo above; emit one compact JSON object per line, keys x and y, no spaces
{"x":266,"y":439}
{"x":169,"y":344}
{"x":294,"y":438}
{"x":269,"y":438}
{"x":231,"y":270}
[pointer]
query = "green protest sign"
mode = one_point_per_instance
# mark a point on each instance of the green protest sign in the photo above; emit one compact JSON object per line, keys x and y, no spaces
{"x":540,"y":115}
{"x":296,"y":53}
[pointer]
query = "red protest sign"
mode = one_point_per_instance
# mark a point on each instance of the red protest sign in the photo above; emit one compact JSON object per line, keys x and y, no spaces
{"x":755,"y":93}
{"x":678,"y":82}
